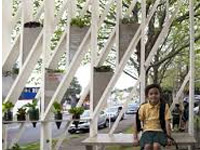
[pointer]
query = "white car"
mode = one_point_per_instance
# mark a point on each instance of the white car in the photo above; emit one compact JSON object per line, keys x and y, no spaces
{"x":84,"y":125}
{"x":113,"y":112}
{"x":132,"y":108}
{"x":196,"y":110}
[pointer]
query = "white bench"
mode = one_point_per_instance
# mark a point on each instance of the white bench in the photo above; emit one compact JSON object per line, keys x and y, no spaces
{"x":127,"y":140}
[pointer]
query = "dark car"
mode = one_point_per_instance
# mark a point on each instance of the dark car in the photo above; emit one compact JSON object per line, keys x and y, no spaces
{"x":84,"y":125}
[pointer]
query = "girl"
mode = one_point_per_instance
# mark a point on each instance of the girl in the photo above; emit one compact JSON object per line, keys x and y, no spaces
{"x":153,"y":135}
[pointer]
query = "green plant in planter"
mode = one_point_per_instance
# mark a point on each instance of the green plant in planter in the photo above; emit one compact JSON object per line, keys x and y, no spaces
{"x":103,"y":69}
{"x":54,"y":70}
{"x":80,"y":22}
{"x":57,"y":110}
{"x":33,"y":111}
{"x":76,"y":112}
{"x":7,"y":111}
{"x":197,"y":121}
{"x":127,"y":20}
{"x":21,"y":114}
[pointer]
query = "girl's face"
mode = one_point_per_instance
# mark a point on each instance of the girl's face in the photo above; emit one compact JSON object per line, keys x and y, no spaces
{"x":153,"y":96}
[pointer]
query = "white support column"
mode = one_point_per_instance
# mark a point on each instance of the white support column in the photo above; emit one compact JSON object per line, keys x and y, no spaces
{"x":94,"y":30}
{"x":69,"y":17}
{"x":4,"y":137}
{"x":142,"y":54}
{"x":27,"y":10}
{"x":7,"y":27}
{"x":119,"y":17}
{"x":46,"y":132}
{"x":192,"y":58}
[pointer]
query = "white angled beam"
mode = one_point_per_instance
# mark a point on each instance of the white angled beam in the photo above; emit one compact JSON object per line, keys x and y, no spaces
{"x":130,"y":9}
{"x":180,"y":91}
{"x":63,"y":135}
{"x":76,"y":60}
{"x":110,"y":42}
{"x":101,"y":59}
{"x":39,"y":12}
{"x":12,"y":56}
{"x":105,"y":13}
{"x":124,"y":108}
{"x":27,"y":10}
{"x":27,"y":68}
{"x":85,"y":8}
{"x":119,"y":69}
{"x":61,"y":11}
{"x":67,"y":78}
{"x":58,"y":52}
{"x":192,"y":69}
{"x":7,"y":27}
{"x":118,"y":72}
{"x":106,"y":49}
{"x":18,"y":135}
{"x":17,"y":16}
{"x":161,"y":36}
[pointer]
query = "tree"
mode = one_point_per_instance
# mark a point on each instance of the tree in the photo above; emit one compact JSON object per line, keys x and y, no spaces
{"x":73,"y":91}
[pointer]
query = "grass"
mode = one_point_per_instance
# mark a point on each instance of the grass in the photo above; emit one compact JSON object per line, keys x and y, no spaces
{"x":34,"y":146}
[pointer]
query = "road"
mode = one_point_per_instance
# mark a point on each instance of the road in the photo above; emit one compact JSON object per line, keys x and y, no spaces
{"x":33,"y":134}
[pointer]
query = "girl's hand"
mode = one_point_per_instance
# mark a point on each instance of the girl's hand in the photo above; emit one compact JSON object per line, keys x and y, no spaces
{"x":135,"y":141}
{"x":169,"y":142}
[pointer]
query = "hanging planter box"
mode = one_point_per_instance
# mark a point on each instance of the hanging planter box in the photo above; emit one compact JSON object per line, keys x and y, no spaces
{"x":8,"y":116}
{"x":21,"y":114}
{"x":76,"y":112}
{"x":58,"y":116}
{"x":76,"y":37}
{"x":8,"y":78}
{"x":33,"y":116}
{"x":126,"y":34}
{"x":21,"y":117}
{"x":57,"y":110}
{"x":33,"y":112}
{"x":31,"y":31}
{"x":7,"y":110}
{"x":102,"y":76}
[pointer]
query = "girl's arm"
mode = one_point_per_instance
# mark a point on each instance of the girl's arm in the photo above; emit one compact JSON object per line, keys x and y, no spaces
{"x":135,"y":134}
{"x":168,"y":127}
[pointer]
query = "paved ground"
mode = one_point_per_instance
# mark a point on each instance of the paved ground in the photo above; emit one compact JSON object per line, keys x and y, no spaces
{"x":75,"y":143}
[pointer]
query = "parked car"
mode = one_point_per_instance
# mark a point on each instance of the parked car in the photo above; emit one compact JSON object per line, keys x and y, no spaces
{"x":113,"y":112}
{"x":84,"y":125}
{"x":132,"y":108}
{"x":196,"y":110}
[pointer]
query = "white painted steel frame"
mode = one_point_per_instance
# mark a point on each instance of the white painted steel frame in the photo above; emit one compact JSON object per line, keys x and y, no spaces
{"x":48,"y":27}
{"x":142,"y":53}
{"x":120,"y":67}
{"x":7,"y":27}
{"x":155,"y":47}
{"x":192,"y":68}
{"x":94,"y":49}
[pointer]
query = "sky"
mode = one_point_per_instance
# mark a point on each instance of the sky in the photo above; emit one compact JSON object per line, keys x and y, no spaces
{"x":83,"y":75}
